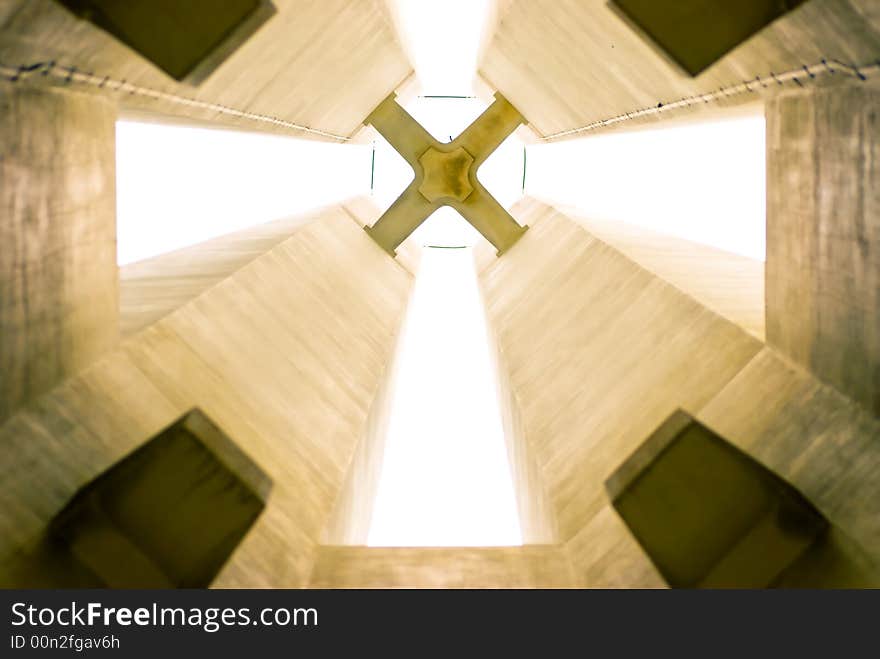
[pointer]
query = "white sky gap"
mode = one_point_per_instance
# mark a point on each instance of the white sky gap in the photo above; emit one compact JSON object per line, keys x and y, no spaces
{"x":446,"y":478}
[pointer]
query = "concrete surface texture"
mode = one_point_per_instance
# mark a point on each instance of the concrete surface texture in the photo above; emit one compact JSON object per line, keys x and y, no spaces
{"x":285,"y":356}
{"x":823,"y":234}
{"x":567,"y":63}
{"x":323,"y":65}
{"x":283,"y":335}
{"x":729,"y":284}
{"x":600,"y":352}
{"x":153,"y":288}
{"x":58,"y":282}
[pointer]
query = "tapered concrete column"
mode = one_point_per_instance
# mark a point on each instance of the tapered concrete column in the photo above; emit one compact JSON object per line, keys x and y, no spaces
{"x":58,"y":274}
{"x":823,"y":234}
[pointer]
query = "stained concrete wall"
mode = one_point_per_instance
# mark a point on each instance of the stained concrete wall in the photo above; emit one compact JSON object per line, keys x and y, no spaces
{"x":324,"y":65}
{"x":58,"y":275}
{"x":826,"y":446}
{"x":567,"y":63}
{"x":823,"y":234}
{"x":285,"y":356}
{"x":349,"y":523}
{"x":601,"y":351}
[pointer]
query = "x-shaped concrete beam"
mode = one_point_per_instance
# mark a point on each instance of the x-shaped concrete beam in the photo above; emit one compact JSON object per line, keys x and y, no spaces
{"x":445,"y":174}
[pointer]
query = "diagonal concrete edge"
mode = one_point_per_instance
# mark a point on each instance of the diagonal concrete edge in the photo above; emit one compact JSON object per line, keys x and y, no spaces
{"x":601,"y":351}
{"x":285,"y":356}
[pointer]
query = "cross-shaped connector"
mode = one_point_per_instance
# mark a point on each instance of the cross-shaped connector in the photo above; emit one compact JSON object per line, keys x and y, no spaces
{"x":445,"y":174}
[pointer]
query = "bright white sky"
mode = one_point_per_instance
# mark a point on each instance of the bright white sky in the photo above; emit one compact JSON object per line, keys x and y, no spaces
{"x":443,"y":40}
{"x":702,"y":181}
{"x":178,"y":185}
{"x":446,"y":478}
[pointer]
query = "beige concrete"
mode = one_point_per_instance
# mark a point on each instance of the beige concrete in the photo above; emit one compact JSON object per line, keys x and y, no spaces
{"x":537,"y":517}
{"x":349,"y":522}
{"x":822,"y":443}
{"x":321,"y":64}
{"x":445,"y":174}
{"x":285,"y":356}
{"x":729,"y":284}
{"x":58,"y":275}
{"x":567,"y":63}
{"x":151,"y":289}
{"x":707,"y":514}
{"x":600,"y":352}
{"x":823,"y":234}
{"x":447,"y":567}
{"x":286,"y":343}
{"x":150,"y":520}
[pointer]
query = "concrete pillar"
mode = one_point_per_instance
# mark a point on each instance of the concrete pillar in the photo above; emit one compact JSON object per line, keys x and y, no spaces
{"x":823,"y":234}
{"x":58,"y":274}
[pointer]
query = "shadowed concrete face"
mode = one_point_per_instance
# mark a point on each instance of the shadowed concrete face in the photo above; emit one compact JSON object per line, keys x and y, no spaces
{"x":318,"y":64}
{"x":58,"y":276}
{"x":285,"y":355}
{"x":823,"y":235}
{"x":445,"y":174}
{"x":707,"y":514}
{"x":187,"y":40}
{"x":169,"y":514}
{"x":567,"y":64}
{"x":696,"y":33}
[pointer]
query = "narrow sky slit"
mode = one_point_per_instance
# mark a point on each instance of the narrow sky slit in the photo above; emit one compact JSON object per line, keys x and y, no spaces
{"x":446,"y":477}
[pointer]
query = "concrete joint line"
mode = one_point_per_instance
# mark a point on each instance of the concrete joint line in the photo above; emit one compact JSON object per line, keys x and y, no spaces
{"x":70,"y":74}
{"x":797,"y":76}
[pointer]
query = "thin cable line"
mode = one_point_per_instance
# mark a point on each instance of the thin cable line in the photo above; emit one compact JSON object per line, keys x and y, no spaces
{"x":69,"y":74}
{"x":825,"y":66}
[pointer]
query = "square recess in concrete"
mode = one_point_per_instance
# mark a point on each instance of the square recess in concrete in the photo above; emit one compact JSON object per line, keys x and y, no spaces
{"x":170,"y":513}
{"x":188,"y":39}
{"x":707,"y":514}
{"x":697,"y":33}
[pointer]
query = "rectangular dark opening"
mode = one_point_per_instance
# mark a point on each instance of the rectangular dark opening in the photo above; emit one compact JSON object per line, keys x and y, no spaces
{"x":697,"y":33}
{"x":188,"y":39}
{"x":169,"y":514}
{"x":707,"y":514}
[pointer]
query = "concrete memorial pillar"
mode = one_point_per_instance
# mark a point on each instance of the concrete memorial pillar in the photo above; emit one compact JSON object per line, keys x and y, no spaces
{"x":823,"y":234}
{"x":58,"y":273}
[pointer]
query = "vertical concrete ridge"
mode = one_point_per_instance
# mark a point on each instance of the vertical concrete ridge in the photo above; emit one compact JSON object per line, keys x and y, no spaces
{"x":153,"y":288}
{"x":58,"y":277}
{"x":729,"y":284}
{"x":600,"y":352}
{"x":823,"y":235}
{"x":567,"y":64}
